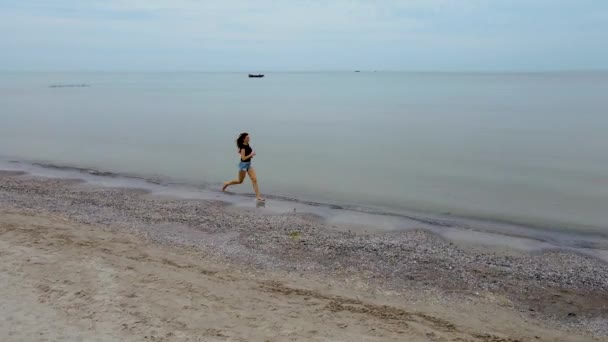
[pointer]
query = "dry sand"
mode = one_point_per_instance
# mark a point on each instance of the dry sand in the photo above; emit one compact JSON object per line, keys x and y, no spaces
{"x":65,"y":281}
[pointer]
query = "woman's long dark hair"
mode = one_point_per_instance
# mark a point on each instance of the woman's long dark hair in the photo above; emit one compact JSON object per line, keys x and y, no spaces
{"x":240,"y":141}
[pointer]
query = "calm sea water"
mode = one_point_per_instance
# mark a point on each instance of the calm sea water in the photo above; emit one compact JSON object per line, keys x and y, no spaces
{"x":527,"y":148}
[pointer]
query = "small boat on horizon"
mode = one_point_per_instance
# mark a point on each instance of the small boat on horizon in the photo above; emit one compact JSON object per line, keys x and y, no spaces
{"x":256,"y":75}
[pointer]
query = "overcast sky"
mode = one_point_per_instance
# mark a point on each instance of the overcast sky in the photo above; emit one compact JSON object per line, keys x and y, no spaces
{"x":308,"y":35}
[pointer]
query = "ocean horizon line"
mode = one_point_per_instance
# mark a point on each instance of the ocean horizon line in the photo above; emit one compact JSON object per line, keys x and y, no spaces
{"x":428,"y":71}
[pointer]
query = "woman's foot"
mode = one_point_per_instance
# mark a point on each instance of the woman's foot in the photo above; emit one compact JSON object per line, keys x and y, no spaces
{"x":225,"y":187}
{"x":261,"y":199}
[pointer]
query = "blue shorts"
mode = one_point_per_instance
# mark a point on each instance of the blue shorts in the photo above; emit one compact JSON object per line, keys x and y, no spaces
{"x":244,"y":166}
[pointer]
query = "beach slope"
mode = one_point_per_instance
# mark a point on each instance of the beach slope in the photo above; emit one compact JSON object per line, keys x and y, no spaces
{"x":66,"y":281}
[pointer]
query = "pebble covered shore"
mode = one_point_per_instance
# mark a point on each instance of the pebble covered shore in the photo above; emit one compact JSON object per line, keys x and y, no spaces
{"x":562,"y":287}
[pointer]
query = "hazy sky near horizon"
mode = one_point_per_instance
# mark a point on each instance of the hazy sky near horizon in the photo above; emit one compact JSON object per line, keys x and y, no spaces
{"x":267,"y":35}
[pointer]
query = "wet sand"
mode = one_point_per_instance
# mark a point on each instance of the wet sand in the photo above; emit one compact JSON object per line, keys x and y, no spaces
{"x":83,"y":261}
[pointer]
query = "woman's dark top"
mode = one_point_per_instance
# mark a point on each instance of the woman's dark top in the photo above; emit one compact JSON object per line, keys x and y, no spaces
{"x":248,"y":151}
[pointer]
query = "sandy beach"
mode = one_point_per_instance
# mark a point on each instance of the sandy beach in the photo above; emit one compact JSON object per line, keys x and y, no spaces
{"x":85,"y":263}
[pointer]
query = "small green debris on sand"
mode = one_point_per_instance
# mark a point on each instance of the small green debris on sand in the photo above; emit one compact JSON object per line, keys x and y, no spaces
{"x":295,"y":235}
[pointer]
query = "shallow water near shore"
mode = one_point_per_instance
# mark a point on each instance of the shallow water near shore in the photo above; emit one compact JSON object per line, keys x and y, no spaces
{"x":526,"y":148}
{"x":357,"y":219}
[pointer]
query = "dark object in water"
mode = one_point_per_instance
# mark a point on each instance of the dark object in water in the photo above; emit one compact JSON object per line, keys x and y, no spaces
{"x":69,"y":86}
{"x":256,"y":76}
{"x":357,"y":71}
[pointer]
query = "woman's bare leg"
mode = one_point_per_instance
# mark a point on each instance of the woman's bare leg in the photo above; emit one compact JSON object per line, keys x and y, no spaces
{"x":254,"y":182}
{"x":239,"y":180}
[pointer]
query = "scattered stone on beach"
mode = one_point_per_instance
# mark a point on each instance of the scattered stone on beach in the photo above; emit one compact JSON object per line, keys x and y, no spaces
{"x":540,"y":284}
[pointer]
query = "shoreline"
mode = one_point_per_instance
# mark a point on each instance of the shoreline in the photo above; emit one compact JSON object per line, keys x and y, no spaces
{"x":461,"y":229}
{"x":564,"y":290}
